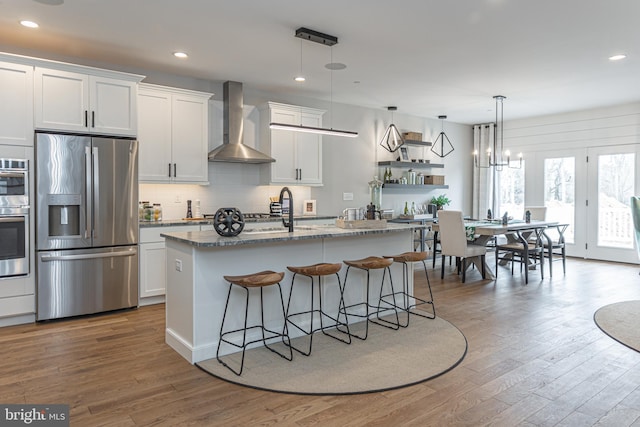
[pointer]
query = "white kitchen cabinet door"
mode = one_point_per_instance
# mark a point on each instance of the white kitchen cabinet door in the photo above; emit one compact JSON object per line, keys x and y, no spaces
{"x":298,"y":155}
{"x":189,"y":135}
{"x":78,"y":102}
{"x":283,"y":148}
{"x":173,"y":133}
{"x":61,"y":100}
{"x":16,"y":108}
{"x":309,"y":152}
{"x":154,"y":135}
{"x":112,"y":106}
{"x":153,"y":269}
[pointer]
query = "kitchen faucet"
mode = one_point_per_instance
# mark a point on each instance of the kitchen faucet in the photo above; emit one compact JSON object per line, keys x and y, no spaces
{"x":288,"y":224}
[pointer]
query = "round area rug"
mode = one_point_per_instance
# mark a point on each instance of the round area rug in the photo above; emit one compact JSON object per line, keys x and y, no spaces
{"x":387,"y":359}
{"x":620,"y":321}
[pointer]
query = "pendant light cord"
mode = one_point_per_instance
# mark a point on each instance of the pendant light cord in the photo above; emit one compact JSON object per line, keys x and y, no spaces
{"x":331,"y":90}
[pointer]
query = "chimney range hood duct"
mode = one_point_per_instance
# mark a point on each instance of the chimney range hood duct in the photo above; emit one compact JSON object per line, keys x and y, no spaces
{"x":233,"y":150}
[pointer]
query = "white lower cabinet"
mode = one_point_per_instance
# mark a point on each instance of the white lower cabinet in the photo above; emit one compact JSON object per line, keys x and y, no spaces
{"x":153,"y":264}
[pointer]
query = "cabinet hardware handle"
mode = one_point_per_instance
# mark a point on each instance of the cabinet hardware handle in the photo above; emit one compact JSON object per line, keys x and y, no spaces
{"x":93,"y":119}
{"x":169,"y":170}
{"x":86,"y":118}
{"x":300,"y":178}
{"x":175,"y":173}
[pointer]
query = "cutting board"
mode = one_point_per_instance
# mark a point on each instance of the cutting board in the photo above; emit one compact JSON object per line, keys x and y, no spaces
{"x":361,"y":223}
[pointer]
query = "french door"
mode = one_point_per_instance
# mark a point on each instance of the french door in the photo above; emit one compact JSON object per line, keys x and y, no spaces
{"x":590,"y":189}
{"x":612,"y":179}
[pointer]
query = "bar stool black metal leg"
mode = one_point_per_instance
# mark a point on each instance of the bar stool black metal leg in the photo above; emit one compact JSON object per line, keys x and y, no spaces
{"x":394,"y":305}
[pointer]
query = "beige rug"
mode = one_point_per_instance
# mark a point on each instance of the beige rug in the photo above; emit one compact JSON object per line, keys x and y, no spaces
{"x":388,"y":359}
{"x":621,"y":321}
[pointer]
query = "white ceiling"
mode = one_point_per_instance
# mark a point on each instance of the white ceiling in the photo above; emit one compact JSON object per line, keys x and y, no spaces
{"x":428,"y":57}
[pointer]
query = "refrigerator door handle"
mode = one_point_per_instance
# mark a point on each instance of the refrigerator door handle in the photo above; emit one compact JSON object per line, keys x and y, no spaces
{"x":47,"y":258}
{"x":87,"y":192}
{"x":96,"y":192}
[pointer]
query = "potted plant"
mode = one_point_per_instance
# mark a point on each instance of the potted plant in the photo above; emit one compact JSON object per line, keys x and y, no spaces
{"x":440,"y":201}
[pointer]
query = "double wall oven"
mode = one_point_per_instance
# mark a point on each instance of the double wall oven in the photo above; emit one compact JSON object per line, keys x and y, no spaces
{"x":14,"y":217}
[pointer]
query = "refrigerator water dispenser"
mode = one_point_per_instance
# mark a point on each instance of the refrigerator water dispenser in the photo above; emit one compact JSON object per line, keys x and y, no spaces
{"x":64,"y":215}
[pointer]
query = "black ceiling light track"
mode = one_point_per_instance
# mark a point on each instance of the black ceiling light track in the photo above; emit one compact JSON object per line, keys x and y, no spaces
{"x":316,"y":36}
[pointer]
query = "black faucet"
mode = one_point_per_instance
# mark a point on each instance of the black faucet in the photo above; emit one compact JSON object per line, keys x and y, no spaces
{"x":288,"y":224}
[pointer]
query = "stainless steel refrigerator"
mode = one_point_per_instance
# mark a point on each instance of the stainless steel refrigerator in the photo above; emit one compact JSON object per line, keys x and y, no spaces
{"x":86,"y":224}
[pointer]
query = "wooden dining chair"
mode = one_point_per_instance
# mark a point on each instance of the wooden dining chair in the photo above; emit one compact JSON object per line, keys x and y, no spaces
{"x":527,"y":249}
{"x":453,"y":242}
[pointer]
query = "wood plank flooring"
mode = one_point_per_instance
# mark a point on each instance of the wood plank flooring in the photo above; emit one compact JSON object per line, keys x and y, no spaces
{"x":535,"y":358}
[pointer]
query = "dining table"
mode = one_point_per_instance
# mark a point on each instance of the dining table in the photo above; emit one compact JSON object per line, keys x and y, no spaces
{"x":480,"y":232}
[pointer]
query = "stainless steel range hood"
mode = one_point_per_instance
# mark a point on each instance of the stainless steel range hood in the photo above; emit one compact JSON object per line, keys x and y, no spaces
{"x":233,"y":150}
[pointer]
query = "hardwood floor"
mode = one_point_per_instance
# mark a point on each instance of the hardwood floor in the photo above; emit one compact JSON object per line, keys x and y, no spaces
{"x":535,"y":358}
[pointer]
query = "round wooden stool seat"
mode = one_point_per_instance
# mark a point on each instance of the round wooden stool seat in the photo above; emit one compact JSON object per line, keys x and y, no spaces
{"x":321,"y":269}
{"x":408,"y":257}
{"x":370,"y":263}
{"x":255,"y":280}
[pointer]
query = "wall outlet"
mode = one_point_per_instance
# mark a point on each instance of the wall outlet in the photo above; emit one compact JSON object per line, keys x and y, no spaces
{"x":347,"y":196}
{"x":178,"y":265}
{"x":178,"y":199}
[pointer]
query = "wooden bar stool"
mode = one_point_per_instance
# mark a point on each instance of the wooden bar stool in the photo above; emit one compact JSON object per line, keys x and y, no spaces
{"x":405,"y":259}
{"x":257,"y":280}
{"x":368,"y":264}
{"x":320,"y":271}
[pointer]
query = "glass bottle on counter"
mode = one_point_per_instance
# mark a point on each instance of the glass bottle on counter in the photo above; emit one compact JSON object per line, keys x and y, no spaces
{"x":406,"y":208}
{"x":157,"y":212}
{"x":148,"y":212}
{"x":375,"y":191}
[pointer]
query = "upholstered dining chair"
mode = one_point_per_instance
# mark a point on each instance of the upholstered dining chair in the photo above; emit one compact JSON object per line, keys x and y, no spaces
{"x":453,"y":242}
{"x":538,"y":213}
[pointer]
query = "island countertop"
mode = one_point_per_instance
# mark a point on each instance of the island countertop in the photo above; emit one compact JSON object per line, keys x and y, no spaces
{"x":211,"y":238}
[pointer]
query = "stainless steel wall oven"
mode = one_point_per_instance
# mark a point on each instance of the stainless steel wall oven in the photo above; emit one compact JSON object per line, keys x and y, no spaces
{"x":14,"y":241}
{"x":14,"y":217}
{"x":14,"y":183}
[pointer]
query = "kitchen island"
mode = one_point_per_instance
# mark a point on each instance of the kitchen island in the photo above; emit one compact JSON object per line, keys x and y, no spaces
{"x":198,"y":260}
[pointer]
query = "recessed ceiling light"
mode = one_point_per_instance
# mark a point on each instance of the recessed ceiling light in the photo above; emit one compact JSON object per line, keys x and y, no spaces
{"x":29,"y":24}
{"x":300,"y":79}
{"x":617,"y":57}
{"x":180,"y":55}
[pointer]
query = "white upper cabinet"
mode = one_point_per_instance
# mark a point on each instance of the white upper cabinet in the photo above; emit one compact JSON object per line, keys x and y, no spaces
{"x":298,"y":155}
{"x":173,"y":132}
{"x":16,"y":104}
{"x":66,"y":100}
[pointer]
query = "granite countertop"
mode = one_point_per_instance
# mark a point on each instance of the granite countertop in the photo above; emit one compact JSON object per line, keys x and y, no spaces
{"x":174,"y":222}
{"x":210,"y":238}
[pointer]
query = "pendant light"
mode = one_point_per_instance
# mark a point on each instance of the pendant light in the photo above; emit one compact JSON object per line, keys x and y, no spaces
{"x":327,"y":40}
{"x":497,"y":157}
{"x":441,"y":141}
{"x":392,"y":138}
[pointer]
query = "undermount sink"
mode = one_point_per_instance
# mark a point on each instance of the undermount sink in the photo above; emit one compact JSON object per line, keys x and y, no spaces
{"x":269,"y":230}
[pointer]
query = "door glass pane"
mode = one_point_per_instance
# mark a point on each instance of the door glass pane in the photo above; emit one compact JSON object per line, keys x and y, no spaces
{"x":559,"y":192}
{"x":615,"y":187}
{"x":511,"y":190}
